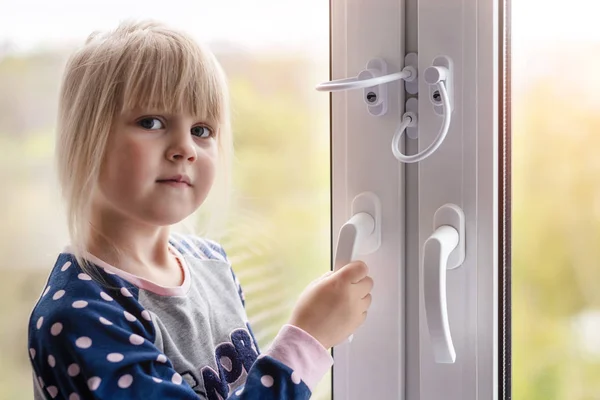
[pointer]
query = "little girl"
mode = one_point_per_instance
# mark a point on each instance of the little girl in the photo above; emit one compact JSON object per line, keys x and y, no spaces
{"x":132,"y":310}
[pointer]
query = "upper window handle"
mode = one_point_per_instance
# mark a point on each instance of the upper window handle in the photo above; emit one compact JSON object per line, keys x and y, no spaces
{"x":373,"y":79}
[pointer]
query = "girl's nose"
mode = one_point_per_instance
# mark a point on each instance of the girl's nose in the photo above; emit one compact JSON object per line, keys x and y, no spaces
{"x":182,"y":147}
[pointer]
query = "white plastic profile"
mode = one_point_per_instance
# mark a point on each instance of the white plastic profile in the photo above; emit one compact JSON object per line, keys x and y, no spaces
{"x":443,"y":250}
{"x":361,"y":234}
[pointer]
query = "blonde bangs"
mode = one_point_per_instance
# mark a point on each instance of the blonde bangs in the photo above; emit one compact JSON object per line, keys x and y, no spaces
{"x":170,"y":73}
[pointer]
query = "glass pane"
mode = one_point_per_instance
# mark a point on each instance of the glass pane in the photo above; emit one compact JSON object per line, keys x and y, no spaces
{"x":556,"y":200}
{"x":278,"y":232}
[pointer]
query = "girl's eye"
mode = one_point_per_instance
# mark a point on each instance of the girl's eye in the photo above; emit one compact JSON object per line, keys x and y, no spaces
{"x":201,"y":131}
{"x":149,"y":123}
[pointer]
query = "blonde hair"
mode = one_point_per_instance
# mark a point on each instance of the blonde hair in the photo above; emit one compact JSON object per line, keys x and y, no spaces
{"x":142,"y":64}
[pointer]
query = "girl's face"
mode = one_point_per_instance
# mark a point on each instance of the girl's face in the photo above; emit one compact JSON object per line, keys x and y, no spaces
{"x":158,"y":168}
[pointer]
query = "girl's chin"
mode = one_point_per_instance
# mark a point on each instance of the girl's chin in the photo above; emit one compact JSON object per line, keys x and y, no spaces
{"x":167,"y":219}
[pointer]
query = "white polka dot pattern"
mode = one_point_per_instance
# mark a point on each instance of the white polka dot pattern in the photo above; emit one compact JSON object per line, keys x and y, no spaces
{"x":106,"y":296}
{"x":129,"y":316}
{"x":296,"y":378}
{"x":56,"y":329}
{"x":83,"y":342}
{"x":115,"y":357}
{"x":136,"y":339}
{"x":58,"y":294}
{"x":267,"y":380}
{"x":177,"y":379}
{"x":52,"y":391}
{"x":80,"y":304}
{"x":73,"y":370}
{"x":94,"y":383}
{"x":125,"y":381}
{"x":146,"y":315}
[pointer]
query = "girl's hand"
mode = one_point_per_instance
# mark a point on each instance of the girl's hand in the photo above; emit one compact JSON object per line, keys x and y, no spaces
{"x":333,"y":306}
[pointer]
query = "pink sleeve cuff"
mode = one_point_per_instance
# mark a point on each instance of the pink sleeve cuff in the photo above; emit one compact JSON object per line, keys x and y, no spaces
{"x":301,"y":352}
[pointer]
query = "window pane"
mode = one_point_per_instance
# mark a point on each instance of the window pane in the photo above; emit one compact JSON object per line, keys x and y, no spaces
{"x":278,"y":232}
{"x":556,"y":200}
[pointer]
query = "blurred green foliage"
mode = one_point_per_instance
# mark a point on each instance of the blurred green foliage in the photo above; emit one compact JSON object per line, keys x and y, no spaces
{"x":556,"y":257}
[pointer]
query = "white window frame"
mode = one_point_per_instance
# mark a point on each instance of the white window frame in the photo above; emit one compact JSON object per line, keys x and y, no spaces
{"x":390,"y":356}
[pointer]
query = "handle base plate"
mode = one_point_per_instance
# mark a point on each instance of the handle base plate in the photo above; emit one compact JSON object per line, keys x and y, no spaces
{"x":453,"y":215}
{"x":369,"y":203}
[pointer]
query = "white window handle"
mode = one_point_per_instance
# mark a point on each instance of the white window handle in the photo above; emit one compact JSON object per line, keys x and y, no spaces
{"x":444,"y":249}
{"x":367,"y":78}
{"x":352,"y":233}
{"x":361,"y":234}
{"x":373,"y":80}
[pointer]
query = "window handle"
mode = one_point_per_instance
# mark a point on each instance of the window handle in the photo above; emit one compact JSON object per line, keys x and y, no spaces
{"x":443,"y":250}
{"x":371,"y":76}
{"x":359,"y":227}
{"x":361,"y":234}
